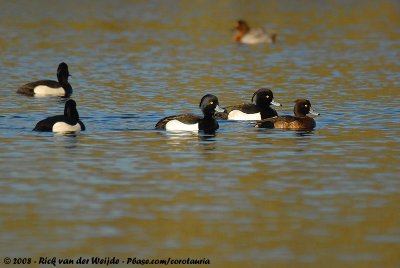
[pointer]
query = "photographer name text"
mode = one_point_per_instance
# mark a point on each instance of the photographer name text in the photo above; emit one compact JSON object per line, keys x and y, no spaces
{"x":54,"y":261}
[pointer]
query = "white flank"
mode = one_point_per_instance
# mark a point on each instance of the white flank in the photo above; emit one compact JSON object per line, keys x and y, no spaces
{"x":256,"y":36}
{"x":48,"y":91}
{"x":175,"y":125}
{"x":64,"y":127}
{"x":239,"y":115}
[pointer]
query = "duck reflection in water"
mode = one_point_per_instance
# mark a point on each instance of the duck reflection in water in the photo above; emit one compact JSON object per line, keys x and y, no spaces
{"x":68,"y":140}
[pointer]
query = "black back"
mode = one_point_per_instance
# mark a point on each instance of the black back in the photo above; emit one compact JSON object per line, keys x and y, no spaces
{"x":184,"y":118}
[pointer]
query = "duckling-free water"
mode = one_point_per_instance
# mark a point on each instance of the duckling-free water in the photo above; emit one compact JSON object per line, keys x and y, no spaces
{"x":246,"y":197}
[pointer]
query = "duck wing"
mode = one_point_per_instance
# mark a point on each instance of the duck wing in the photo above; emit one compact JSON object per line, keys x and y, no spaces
{"x":270,"y":122}
{"x":47,"y":124}
{"x":184,"y":118}
{"x":248,"y":108}
{"x":27,"y":89}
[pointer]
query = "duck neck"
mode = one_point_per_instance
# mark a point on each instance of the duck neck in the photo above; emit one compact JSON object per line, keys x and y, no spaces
{"x":208,"y":124}
{"x":245,"y":29}
{"x":298,"y":113}
{"x":263,"y":106}
{"x":72,"y":114}
{"x":62,"y":78}
{"x":208,"y":115}
{"x":267,"y":112}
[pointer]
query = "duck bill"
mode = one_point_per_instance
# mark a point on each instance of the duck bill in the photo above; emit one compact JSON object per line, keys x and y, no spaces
{"x":313,"y":112}
{"x":219,"y":109}
{"x":275,"y":103}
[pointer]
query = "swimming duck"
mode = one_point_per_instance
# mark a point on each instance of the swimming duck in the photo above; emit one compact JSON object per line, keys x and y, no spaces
{"x":243,"y":34}
{"x":252,"y":111}
{"x":68,"y":122}
{"x":188,"y":122}
{"x":50,"y":87}
{"x":300,"y":120}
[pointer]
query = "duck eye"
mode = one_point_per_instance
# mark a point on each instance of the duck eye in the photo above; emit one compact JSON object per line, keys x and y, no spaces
{"x":267,"y":97}
{"x":211,"y":102}
{"x":305,"y":105}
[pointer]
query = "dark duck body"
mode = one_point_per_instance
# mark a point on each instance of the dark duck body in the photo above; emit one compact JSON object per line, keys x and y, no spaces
{"x":300,"y":120}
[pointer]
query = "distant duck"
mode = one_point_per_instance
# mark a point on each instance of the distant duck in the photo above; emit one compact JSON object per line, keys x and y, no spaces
{"x":68,"y":122}
{"x":300,"y":120}
{"x":188,"y":122}
{"x":252,"y":111}
{"x":50,"y":87}
{"x":243,"y":34}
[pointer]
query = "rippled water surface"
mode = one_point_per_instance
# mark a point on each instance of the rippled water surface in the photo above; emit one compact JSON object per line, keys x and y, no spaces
{"x":244,"y":198}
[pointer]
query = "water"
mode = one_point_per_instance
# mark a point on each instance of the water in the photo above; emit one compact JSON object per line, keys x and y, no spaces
{"x":244,"y":198}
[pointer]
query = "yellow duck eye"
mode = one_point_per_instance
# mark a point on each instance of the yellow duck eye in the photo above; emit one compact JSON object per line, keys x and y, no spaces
{"x":267,"y":97}
{"x":305,"y":105}
{"x":211,"y":102}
